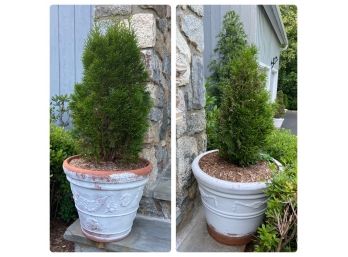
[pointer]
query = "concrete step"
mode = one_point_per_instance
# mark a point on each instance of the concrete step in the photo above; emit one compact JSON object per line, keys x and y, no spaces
{"x":194,"y":237}
{"x":147,"y":235}
{"x":161,"y":190}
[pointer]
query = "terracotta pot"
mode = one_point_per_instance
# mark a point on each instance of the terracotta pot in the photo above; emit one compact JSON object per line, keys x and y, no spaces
{"x":233,"y":210}
{"x":106,"y":201}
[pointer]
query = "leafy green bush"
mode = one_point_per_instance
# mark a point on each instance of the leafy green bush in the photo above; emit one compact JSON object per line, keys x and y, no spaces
{"x":245,"y":116}
{"x":279,"y":231}
{"x":231,"y":40}
{"x":62,"y":146}
{"x":59,"y":111}
{"x":110,"y":107}
{"x":282,"y":145}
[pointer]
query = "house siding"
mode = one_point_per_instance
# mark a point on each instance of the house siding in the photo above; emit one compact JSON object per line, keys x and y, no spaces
{"x":256,"y":25}
{"x":69,"y":28}
{"x":266,"y":39}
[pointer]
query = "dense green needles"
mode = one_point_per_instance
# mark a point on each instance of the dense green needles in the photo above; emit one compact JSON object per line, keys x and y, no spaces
{"x":110,"y":107}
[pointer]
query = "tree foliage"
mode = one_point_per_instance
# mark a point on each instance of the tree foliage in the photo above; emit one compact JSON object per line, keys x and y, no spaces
{"x":287,"y":81}
{"x":246,"y":114}
{"x":110,"y":107}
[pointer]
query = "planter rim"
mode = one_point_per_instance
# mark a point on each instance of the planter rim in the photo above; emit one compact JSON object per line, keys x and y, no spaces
{"x":228,"y":185}
{"x":101,"y":173}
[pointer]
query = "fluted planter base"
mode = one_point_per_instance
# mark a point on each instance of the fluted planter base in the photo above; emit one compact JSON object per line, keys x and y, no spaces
{"x":106,"y":201}
{"x":233,"y":210}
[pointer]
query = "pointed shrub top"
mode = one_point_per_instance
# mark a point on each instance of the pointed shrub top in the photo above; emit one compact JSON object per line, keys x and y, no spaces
{"x":110,"y":106}
{"x":231,"y":40}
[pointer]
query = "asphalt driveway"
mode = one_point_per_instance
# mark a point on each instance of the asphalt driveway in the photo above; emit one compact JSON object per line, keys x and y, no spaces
{"x":290,"y":121}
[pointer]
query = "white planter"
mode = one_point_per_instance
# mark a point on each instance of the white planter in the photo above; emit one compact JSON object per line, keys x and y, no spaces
{"x":278,"y":122}
{"x":233,"y":210}
{"x":106,"y":201}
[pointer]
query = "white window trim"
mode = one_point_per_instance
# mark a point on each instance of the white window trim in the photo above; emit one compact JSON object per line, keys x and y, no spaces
{"x":274,"y":87}
{"x":268,"y":73}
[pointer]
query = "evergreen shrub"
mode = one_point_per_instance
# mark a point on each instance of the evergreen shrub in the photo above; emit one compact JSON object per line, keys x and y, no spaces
{"x":110,"y":107}
{"x":231,"y":41}
{"x":246,"y":115}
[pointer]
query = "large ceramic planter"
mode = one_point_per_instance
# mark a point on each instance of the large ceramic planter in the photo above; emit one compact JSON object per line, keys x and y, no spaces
{"x":106,"y":201}
{"x":278,"y":122}
{"x":233,"y":210}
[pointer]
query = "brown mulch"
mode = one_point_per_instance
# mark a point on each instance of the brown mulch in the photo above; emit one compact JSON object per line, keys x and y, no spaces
{"x":88,"y":165}
{"x":215,"y":166}
{"x":57,"y":242}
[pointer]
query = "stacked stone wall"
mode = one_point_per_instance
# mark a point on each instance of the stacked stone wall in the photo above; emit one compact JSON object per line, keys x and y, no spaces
{"x":190,"y":100}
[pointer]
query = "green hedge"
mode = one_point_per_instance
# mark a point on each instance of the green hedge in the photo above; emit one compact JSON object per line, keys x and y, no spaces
{"x":282,"y":145}
{"x":279,"y":230}
{"x":62,"y":146}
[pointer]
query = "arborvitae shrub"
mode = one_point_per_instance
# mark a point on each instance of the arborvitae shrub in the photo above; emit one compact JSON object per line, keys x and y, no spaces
{"x":110,"y":107}
{"x":246,"y":116}
{"x":231,"y":40}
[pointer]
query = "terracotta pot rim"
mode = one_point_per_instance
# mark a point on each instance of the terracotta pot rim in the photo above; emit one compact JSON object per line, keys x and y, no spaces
{"x":141,"y":171}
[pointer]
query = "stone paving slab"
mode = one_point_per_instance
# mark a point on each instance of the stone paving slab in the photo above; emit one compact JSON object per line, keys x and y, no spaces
{"x":147,"y":235}
{"x":195,"y":238}
{"x":162,"y":190}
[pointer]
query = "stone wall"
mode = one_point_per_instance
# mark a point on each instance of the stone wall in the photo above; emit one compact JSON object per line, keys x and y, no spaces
{"x":151,"y":25}
{"x":190,"y":101}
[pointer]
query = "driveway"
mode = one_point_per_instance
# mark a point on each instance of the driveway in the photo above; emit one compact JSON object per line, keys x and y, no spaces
{"x":290,"y":121}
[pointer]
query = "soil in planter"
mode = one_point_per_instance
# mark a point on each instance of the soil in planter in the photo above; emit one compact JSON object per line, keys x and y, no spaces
{"x":88,"y":165}
{"x":57,"y":242}
{"x":215,"y":166}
